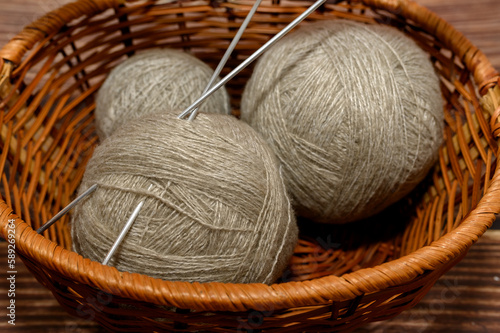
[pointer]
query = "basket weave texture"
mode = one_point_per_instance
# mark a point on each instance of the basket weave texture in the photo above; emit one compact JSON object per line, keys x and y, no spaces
{"x":49,"y":75}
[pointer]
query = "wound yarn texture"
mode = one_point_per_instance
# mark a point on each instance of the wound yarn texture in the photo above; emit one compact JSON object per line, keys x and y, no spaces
{"x":217,"y":209}
{"x":151,"y":82}
{"x":353,"y":112}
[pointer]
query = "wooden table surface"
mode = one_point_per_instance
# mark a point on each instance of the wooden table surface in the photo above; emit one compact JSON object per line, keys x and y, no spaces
{"x":466,"y":299}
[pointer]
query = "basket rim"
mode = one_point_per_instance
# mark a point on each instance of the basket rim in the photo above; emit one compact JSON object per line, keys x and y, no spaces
{"x":241,"y":297}
{"x":217,"y":296}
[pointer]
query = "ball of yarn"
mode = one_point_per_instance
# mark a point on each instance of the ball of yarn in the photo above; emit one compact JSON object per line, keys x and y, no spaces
{"x":151,"y":82}
{"x":354,"y":114}
{"x":217,"y":209}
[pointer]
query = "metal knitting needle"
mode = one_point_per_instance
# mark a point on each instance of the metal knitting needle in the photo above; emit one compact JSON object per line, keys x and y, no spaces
{"x":223,"y":61}
{"x":216,"y":73}
{"x":229,"y":50}
{"x":254,"y":56}
{"x":125,"y":230}
{"x":66,"y":209}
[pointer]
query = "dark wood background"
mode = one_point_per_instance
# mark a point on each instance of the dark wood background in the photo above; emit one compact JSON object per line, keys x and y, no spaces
{"x":466,"y":299}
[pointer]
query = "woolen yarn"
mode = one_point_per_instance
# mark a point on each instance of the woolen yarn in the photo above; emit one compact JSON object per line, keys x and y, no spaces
{"x":153,"y":81}
{"x":217,"y":209}
{"x":353,"y":112}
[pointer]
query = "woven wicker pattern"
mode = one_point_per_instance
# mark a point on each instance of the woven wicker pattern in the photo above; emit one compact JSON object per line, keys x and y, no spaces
{"x":49,"y":74}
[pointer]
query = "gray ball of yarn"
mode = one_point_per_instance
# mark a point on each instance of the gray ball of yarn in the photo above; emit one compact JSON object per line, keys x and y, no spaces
{"x":353,"y":112}
{"x":217,"y":209}
{"x":153,"y":81}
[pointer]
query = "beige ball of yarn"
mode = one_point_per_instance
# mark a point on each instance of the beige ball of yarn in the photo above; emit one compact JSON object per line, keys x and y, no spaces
{"x":217,"y":210}
{"x":151,"y":82}
{"x":353,"y":112}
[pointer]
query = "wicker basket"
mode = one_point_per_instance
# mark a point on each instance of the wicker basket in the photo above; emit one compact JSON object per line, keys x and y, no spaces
{"x":357,"y":274}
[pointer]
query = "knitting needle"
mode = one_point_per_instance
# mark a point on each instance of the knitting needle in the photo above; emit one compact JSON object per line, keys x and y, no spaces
{"x":228,"y":52}
{"x":223,"y":61}
{"x":123,"y":233}
{"x":66,"y":209}
{"x":125,"y":230}
{"x":251,"y":58}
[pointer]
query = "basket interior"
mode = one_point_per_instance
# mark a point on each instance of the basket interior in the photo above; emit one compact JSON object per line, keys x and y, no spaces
{"x":48,"y":132}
